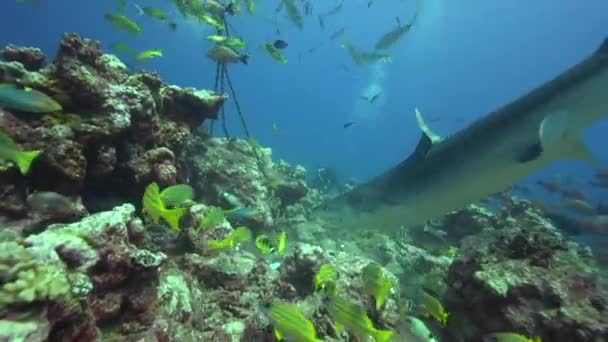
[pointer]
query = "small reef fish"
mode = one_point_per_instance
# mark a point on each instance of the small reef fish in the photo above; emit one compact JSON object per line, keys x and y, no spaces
{"x":225,"y":54}
{"x":432,"y":307}
{"x":370,"y":99}
{"x":231,"y":199}
{"x":26,"y":99}
{"x":354,"y":318}
{"x":13,"y":153}
{"x":212,"y":218}
{"x":153,"y":12}
{"x":236,"y":237}
{"x":509,"y":337}
{"x":215,"y":22}
{"x":219,"y":245}
{"x":414,"y":330}
{"x":52,"y":203}
{"x":124,"y":23}
{"x":239,"y":215}
{"x":280,"y":44}
{"x":578,"y":206}
{"x":154,"y":207}
{"x":390,"y":38}
{"x":177,"y":195}
{"x":376,"y":283}
{"x":290,"y":324}
{"x":123,"y":48}
{"x":147,"y":55}
{"x":263,"y":244}
{"x":217,"y":9}
{"x":348,"y":124}
{"x":282,"y":242}
{"x":325,"y":279}
{"x":275,"y":53}
{"x":173,"y":26}
{"x":240,"y":235}
{"x":231,"y":42}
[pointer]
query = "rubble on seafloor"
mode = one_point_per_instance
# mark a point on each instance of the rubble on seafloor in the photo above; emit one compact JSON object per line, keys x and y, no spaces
{"x":98,"y":272}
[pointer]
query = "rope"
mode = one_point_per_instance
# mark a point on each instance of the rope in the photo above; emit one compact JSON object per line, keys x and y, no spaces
{"x":222,"y":112}
{"x":236,"y":103}
{"x":218,"y":66}
{"x":221,"y":76}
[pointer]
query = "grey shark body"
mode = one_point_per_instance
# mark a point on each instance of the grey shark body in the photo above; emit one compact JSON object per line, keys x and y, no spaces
{"x":499,"y":149}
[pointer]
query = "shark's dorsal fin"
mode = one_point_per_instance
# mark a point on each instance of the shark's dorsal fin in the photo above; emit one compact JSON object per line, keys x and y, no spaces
{"x":422,"y":149}
{"x":435,"y":139}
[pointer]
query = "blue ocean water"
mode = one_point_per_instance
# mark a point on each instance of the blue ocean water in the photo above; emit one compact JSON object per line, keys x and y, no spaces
{"x":461,"y":60}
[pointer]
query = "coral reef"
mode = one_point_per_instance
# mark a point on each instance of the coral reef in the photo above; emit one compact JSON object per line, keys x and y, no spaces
{"x":520,"y":274}
{"x":81,"y":276}
{"x":235,"y":173}
{"x":79,"y":263}
{"x":32,"y":58}
{"x":117,"y":128}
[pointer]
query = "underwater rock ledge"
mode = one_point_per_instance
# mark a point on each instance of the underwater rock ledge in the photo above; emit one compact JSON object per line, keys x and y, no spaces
{"x":111,"y":123}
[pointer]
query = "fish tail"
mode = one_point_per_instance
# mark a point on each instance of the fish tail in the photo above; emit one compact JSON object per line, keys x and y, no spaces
{"x":172,"y":216}
{"x":383,"y":335}
{"x":24,"y":160}
{"x":245,"y":59}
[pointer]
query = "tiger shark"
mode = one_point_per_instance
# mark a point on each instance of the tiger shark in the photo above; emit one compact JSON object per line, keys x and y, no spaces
{"x":443,"y":175}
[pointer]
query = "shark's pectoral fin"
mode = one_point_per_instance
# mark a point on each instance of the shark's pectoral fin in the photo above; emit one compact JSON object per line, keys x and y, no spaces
{"x":559,"y":136}
{"x":425,"y":128}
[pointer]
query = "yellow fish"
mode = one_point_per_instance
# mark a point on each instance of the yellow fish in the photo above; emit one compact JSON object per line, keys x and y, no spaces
{"x":122,"y":22}
{"x":155,"y":208}
{"x":433,"y":308}
{"x":509,"y":337}
{"x":145,"y":56}
{"x":263,"y":244}
{"x":26,"y":99}
{"x":11,"y":152}
{"x":282,"y":243}
{"x":325,"y":279}
{"x":291,"y":325}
